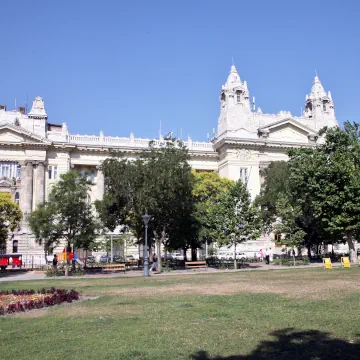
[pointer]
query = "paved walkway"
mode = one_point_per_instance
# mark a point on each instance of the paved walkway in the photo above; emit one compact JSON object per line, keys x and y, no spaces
{"x":38,"y":275}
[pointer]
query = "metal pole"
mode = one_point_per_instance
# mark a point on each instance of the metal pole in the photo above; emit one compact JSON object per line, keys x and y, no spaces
{"x":112,"y":257}
{"x":27,"y":240}
{"x":146,"y":258}
{"x":206,"y":249}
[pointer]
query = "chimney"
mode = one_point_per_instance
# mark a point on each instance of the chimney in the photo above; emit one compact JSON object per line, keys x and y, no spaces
{"x":22,"y":110}
{"x":3,"y":107}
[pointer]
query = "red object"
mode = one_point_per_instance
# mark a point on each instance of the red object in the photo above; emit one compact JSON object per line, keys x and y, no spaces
{"x":6,"y":260}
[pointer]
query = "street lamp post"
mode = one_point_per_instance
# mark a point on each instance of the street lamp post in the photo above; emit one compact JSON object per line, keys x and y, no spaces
{"x":146,"y":218}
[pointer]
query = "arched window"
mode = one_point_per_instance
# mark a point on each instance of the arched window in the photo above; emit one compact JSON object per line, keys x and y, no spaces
{"x":223,"y":97}
{"x":17,"y":198}
{"x":15,"y":246}
{"x":238,"y":96}
{"x":324,"y":105}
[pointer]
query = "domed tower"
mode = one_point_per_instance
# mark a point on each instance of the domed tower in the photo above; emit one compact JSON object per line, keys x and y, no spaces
{"x":234,"y":103}
{"x":319,"y":107}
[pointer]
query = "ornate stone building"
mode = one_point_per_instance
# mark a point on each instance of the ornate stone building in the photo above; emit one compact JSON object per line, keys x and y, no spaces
{"x":34,"y":152}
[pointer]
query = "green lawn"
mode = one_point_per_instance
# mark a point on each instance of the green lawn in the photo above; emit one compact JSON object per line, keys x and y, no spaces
{"x":280,"y":314}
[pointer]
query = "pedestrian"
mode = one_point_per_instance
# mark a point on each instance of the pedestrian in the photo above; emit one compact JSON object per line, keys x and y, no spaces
{"x":267,"y":256}
{"x":261,"y":253}
{"x":153,"y":265}
{"x":55,"y":261}
{"x":271,"y":255}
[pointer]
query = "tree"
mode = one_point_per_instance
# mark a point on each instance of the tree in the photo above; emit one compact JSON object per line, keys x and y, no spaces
{"x":275,"y":183}
{"x":288,"y":180}
{"x":236,"y":218}
{"x":10,"y":217}
{"x":326,"y":183}
{"x":292,"y":236}
{"x":159,"y":182}
{"x":67,"y":215}
{"x":208,"y":187}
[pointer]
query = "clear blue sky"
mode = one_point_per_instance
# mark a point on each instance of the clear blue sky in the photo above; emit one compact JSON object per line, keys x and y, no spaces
{"x":122,"y":66}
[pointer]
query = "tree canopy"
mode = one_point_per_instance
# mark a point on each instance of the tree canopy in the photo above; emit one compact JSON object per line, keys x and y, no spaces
{"x":331,"y":174}
{"x":10,"y":217}
{"x":67,"y":215}
{"x":208,"y":188}
{"x":236,"y":218}
{"x":160,"y":182}
{"x":275,"y":184}
{"x":319,"y":189}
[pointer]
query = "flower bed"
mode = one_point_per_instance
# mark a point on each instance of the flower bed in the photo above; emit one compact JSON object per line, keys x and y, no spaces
{"x":22,"y":300}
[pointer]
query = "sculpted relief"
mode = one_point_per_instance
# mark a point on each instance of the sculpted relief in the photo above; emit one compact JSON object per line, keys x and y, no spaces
{"x":243,"y":154}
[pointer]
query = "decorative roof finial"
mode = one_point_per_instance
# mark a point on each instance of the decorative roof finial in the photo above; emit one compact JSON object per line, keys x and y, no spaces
{"x":38,"y":109}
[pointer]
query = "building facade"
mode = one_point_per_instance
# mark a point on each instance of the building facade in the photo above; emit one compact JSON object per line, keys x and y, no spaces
{"x":34,"y":152}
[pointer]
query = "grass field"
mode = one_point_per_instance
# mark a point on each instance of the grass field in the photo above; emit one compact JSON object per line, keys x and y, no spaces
{"x":279,"y":314}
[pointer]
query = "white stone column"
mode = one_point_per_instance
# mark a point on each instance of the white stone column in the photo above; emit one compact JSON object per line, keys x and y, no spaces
{"x":26,"y":193}
{"x":100,"y":183}
{"x":40,"y":183}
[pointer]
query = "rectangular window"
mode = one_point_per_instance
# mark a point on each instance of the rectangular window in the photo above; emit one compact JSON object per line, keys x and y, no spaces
{"x":52,"y":171}
{"x":92,"y":176}
{"x":238,"y":98}
{"x":243,"y":175}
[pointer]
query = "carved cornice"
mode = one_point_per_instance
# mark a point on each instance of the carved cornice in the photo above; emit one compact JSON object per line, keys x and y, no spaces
{"x":256,"y":143}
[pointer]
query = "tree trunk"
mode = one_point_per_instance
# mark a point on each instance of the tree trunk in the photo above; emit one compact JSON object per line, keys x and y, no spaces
{"x":352,"y":251}
{"x":151,"y":255}
{"x":158,"y":244}
{"x":67,"y":265}
{"x":193,"y":254}
{"x":235,"y":264}
{"x":309,"y":251}
{"x":293,"y":254}
{"x":185,"y":250}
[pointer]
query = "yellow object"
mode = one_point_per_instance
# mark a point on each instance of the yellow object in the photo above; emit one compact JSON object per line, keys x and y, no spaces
{"x":61,"y":256}
{"x":345,"y":262}
{"x":327,"y":263}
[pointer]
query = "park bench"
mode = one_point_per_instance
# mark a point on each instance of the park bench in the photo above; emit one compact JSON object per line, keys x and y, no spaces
{"x":114,"y":267}
{"x":195,"y":264}
{"x":132,"y":263}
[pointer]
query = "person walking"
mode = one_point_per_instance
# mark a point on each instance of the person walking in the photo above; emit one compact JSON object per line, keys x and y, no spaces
{"x":153,"y":265}
{"x":267,"y":256}
{"x":55,"y":261}
{"x":261,"y":255}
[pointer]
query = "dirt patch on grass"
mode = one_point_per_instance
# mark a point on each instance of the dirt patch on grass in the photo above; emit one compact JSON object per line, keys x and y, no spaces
{"x":101,"y":310}
{"x":288,"y":285}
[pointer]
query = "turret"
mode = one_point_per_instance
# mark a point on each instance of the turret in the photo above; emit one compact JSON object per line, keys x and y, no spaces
{"x":37,"y":117}
{"x":234,"y":102}
{"x":319,"y":106}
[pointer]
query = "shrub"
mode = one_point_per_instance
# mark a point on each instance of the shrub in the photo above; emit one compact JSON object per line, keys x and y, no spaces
{"x":290,"y":262}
